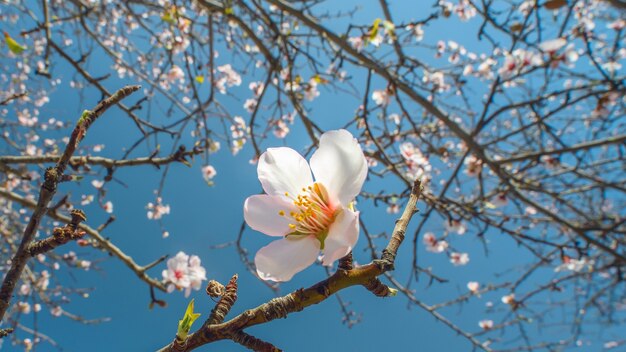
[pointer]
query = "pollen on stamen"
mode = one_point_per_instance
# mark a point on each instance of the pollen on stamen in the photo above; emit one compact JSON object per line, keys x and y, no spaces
{"x":281,"y":213}
{"x":292,"y":226}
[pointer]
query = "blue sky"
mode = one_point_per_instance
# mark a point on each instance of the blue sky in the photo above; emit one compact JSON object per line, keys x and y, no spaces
{"x":204,"y":216}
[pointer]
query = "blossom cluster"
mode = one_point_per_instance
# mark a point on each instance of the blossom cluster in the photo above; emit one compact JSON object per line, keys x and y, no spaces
{"x":184,"y":272}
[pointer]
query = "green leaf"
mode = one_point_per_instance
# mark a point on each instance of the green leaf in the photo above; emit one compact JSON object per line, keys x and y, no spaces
{"x":14,"y":47}
{"x":184,"y":325}
{"x":374,"y":30}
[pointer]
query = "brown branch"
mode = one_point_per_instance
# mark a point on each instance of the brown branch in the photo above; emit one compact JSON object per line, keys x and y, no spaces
{"x":100,"y":241}
{"x":298,"y":300}
{"x":60,"y":235}
{"x":100,"y":161}
{"x":253,"y":343}
{"x":52,"y":176}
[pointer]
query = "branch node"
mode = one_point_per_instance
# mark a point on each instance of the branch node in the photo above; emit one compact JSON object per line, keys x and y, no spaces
{"x":225,"y":303}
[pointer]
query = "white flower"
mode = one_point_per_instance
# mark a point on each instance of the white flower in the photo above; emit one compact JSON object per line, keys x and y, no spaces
{"x":25,"y":289}
{"x":433,"y":244}
{"x":176,"y":273}
{"x":417,"y":163}
{"x":308,"y":216}
{"x":23,"y":307}
{"x":417,"y":30}
{"x":281,"y":129}
{"x":473,"y":286}
{"x":486,"y":324}
{"x":381,"y":97}
{"x":184,"y":272}
{"x":208,"y":172}
{"x":500,"y":200}
{"x":457,"y":226}
{"x":228,"y":78}
{"x":176,"y":74}
{"x":508,"y":299}
{"x":357,"y":43}
{"x":56,"y":311}
{"x":156,"y":211}
{"x":473,"y":165}
{"x":576,"y":265}
{"x":552,"y":46}
{"x":108,"y":207}
{"x":310,"y":90}
{"x":393,"y":209}
{"x":85,"y":200}
{"x":196,"y":274}
{"x":43,"y":281}
{"x":459,"y":259}
{"x":250,"y":105}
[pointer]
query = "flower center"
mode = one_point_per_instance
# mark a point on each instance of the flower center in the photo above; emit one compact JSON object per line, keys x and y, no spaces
{"x":178,"y":274}
{"x":314,"y":212}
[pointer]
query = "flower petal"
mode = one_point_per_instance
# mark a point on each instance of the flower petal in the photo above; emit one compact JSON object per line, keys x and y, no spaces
{"x":262,"y":213}
{"x":339,"y":164}
{"x":283,"y":170}
{"x":342,"y":236}
{"x":281,"y":259}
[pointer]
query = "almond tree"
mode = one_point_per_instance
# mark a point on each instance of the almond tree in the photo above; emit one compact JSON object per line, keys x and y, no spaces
{"x":517,"y":132}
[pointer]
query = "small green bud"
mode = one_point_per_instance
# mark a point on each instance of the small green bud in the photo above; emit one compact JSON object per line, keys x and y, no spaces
{"x":184,"y":325}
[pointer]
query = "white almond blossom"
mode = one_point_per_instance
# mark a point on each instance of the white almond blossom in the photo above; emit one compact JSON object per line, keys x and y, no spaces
{"x":308,"y":216}
{"x":184,"y":272}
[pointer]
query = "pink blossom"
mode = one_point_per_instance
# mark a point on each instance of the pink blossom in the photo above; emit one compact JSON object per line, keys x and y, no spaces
{"x":549,"y":161}
{"x":208,"y":172}
{"x":416,"y":30}
{"x":97,"y":183}
{"x":486,"y":324}
{"x":393,"y":209}
{"x":184,"y":272}
{"x":459,"y":259}
{"x":23,"y":307}
{"x":575,"y":265}
{"x":56,"y":311}
{"x":310,"y":90}
{"x":308,"y":216}
{"x":500,"y":200}
{"x":281,"y":129}
{"x":176,"y":74}
{"x":473,"y":166}
{"x":108,"y":207}
{"x":156,"y":211}
{"x":473,"y":286}
{"x":250,"y":105}
{"x":508,"y":299}
{"x":228,"y":78}
{"x":617,"y":25}
{"x":457,"y":226}
{"x":553,"y":45}
{"x":465,"y":10}
{"x":433,"y":244}
{"x":256,"y":88}
{"x":381,"y":97}
{"x":86,"y":200}
{"x":417,"y":163}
